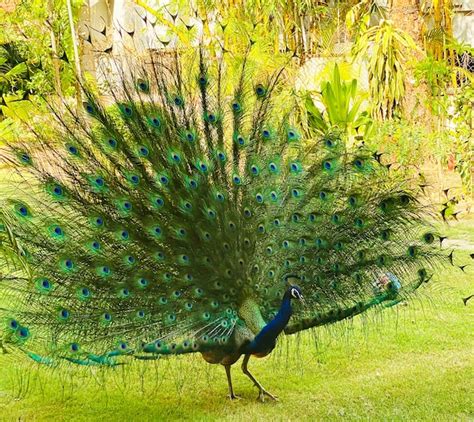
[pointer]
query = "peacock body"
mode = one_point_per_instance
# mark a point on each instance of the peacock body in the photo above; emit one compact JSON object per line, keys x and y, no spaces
{"x":184,"y":211}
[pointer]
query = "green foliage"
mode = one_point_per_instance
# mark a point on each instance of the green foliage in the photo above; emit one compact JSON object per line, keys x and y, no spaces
{"x":17,"y":78}
{"x":436,"y":74}
{"x":463,"y":133}
{"x":343,"y":108}
{"x":384,"y":46}
{"x":13,"y":70}
{"x":361,"y":16}
{"x":306,"y":27}
{"x":404,"y":142}
{"x":29,"y":63}
{"x":451,"y":107}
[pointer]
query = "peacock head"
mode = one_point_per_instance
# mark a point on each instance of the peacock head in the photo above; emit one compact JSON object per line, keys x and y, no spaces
{"x":293,"y":291}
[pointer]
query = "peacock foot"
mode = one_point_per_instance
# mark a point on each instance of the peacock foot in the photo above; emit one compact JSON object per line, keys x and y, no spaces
{"x":233,"y":397}
{"x":263,"y":393}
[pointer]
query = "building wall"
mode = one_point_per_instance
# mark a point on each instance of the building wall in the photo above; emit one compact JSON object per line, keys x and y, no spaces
{"x":463,"y":21}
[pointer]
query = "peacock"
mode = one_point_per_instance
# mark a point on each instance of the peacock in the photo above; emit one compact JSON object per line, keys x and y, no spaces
{"x":186,"y":209}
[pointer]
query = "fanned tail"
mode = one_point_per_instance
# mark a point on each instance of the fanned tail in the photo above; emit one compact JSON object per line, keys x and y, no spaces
{"x":183,"y":189}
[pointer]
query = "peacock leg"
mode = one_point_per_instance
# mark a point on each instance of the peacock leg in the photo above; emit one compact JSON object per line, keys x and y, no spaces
{"x":232,"y":396}
{"x":262,"y":392}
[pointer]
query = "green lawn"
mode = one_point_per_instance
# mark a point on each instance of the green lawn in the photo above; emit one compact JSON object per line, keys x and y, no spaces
{"x":412,"y":362}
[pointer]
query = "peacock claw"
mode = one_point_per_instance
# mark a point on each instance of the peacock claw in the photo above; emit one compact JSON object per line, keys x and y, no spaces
{"x":233,"y":397}
{"x":263,"y":393}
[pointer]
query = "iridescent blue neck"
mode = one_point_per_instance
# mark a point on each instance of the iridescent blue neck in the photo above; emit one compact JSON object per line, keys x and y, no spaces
{"x":278,"y":324}
{"x":265,"y":340}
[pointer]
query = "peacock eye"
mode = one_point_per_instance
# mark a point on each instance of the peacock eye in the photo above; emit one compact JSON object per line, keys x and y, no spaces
{"x":236,"y":106}
{"x":89,"y":108}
